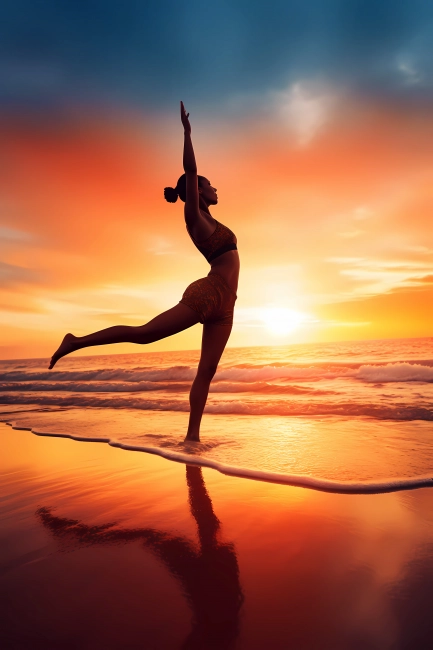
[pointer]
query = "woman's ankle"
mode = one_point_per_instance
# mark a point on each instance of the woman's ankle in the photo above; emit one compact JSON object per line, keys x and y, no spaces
{"x":192,"y":436}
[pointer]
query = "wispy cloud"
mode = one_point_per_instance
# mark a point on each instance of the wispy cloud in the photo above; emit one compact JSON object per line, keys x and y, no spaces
{"x":304,"y":108}
{"x":363,"y":212}
{"x":410,"y":74}
{"x":159,"y":245}
{"x":12,"y":274}
{"x":372,"y":277}
{"x":12,"y":235}
{"x":350,"y":234}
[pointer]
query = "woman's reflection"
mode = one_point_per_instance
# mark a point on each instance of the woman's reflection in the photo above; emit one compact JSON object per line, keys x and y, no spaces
{"x":209,"y":575}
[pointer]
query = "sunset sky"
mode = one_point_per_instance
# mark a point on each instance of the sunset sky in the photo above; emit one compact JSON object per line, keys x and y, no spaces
{"x":312,"y":119}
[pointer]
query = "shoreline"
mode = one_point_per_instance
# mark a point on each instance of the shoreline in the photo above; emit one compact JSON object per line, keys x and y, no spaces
{"x":292,"y":480}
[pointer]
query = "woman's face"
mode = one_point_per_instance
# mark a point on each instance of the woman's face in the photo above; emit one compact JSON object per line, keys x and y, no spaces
{"x":208,"y":192}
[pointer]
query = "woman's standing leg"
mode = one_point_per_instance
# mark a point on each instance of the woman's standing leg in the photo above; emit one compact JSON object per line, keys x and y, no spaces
{"x":170,"y":322}
{"x":214,"y":341}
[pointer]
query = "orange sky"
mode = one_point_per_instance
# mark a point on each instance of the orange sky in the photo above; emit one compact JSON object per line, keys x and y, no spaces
{"x":331,"y":200}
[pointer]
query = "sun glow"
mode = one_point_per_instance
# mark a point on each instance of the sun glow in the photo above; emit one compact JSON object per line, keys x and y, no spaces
{"x":281,"y":321}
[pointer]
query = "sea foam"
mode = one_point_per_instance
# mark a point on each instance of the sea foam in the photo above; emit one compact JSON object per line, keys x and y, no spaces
{"x":324,"y":485}
{"x":386,"y":372}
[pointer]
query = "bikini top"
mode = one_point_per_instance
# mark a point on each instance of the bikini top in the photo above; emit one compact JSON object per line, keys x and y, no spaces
{"x":221,"y":241}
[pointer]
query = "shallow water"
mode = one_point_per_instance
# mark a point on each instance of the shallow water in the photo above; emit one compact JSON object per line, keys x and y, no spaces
{"x":345,"y":412}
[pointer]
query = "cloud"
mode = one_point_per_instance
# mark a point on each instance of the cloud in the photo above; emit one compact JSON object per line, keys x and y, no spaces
{"x":12,"y":274}
{"x":305,"y":108}
{"x":362,"y":212}
{"x":410,"y":74}
{"x":427,"y":279}
{"x":350,"y":234}
{"x":10,"y":236}
{"x":371,"y":277}
{"x":159,"y":245}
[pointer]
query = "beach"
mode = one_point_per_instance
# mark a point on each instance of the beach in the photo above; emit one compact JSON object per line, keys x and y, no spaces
{"x":303,"y":518}
{"x":106,"y":548}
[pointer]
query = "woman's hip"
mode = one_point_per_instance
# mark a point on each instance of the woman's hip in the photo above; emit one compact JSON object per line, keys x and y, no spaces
{"x":212,"y":298}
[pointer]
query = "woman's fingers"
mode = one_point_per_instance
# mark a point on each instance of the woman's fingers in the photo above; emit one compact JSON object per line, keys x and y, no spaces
{"x":184,"y":117}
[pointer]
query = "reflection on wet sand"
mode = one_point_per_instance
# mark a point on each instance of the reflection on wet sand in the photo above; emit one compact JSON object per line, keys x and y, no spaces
{"x":209,"y":573}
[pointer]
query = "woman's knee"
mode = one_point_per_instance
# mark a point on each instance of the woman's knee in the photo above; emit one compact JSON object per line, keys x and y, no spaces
{"x":143,"y":334}
{"x":207,"y":371}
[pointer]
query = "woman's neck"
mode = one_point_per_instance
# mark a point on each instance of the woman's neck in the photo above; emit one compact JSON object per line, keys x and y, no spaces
{"x":204,"y":206}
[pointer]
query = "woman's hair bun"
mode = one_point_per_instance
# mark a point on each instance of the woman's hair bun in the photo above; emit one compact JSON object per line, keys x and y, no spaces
{"x":171,"y":194}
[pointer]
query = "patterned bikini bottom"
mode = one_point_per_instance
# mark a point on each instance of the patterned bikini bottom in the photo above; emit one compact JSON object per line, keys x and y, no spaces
{"x":212,"y":299}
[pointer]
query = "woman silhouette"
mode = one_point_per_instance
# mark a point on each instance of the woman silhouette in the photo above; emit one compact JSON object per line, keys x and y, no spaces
{"x":209,"y":300}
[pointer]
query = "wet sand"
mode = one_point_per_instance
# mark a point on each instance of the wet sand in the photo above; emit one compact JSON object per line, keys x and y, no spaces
{"x":104,"y":548}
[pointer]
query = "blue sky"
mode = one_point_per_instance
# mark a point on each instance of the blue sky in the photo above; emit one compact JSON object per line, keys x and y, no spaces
{"x":148,"y":54}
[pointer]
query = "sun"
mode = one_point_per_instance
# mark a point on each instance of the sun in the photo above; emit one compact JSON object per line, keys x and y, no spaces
{"x":280,"y":320}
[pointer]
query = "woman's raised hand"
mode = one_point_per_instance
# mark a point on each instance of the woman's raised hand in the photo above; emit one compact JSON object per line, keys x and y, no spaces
{"x":184,"y":117}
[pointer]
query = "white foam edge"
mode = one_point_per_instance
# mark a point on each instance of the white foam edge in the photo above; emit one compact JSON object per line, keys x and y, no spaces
{"x":293,"y":480}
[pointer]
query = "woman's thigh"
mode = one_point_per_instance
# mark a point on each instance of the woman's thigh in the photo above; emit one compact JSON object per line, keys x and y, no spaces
{"x":170,"y":322}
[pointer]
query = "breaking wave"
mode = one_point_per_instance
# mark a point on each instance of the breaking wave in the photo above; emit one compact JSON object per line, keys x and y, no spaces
{"x":421,"y":371}
{"x":398,"y":372}
{"x":251,"y":381}
{"x":145,"y":386}
{"x":281,"y":407}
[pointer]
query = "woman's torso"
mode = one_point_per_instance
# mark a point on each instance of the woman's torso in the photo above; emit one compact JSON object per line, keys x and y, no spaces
{"x":208,"y":235}
{"x":228,"y":266}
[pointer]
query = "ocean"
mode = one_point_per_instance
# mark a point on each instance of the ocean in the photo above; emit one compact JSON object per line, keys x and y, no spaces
{"x":351,"y":414}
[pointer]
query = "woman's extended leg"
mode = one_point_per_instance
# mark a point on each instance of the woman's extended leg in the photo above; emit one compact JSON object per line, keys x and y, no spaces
{"x":166,"y":324}
{"x":214,"y":341}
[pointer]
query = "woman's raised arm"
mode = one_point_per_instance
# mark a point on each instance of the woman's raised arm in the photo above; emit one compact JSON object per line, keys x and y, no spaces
{"x":192,"y":211}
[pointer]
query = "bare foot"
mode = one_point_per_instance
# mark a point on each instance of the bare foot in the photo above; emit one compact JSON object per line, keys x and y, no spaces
{"x":66,"y":347}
